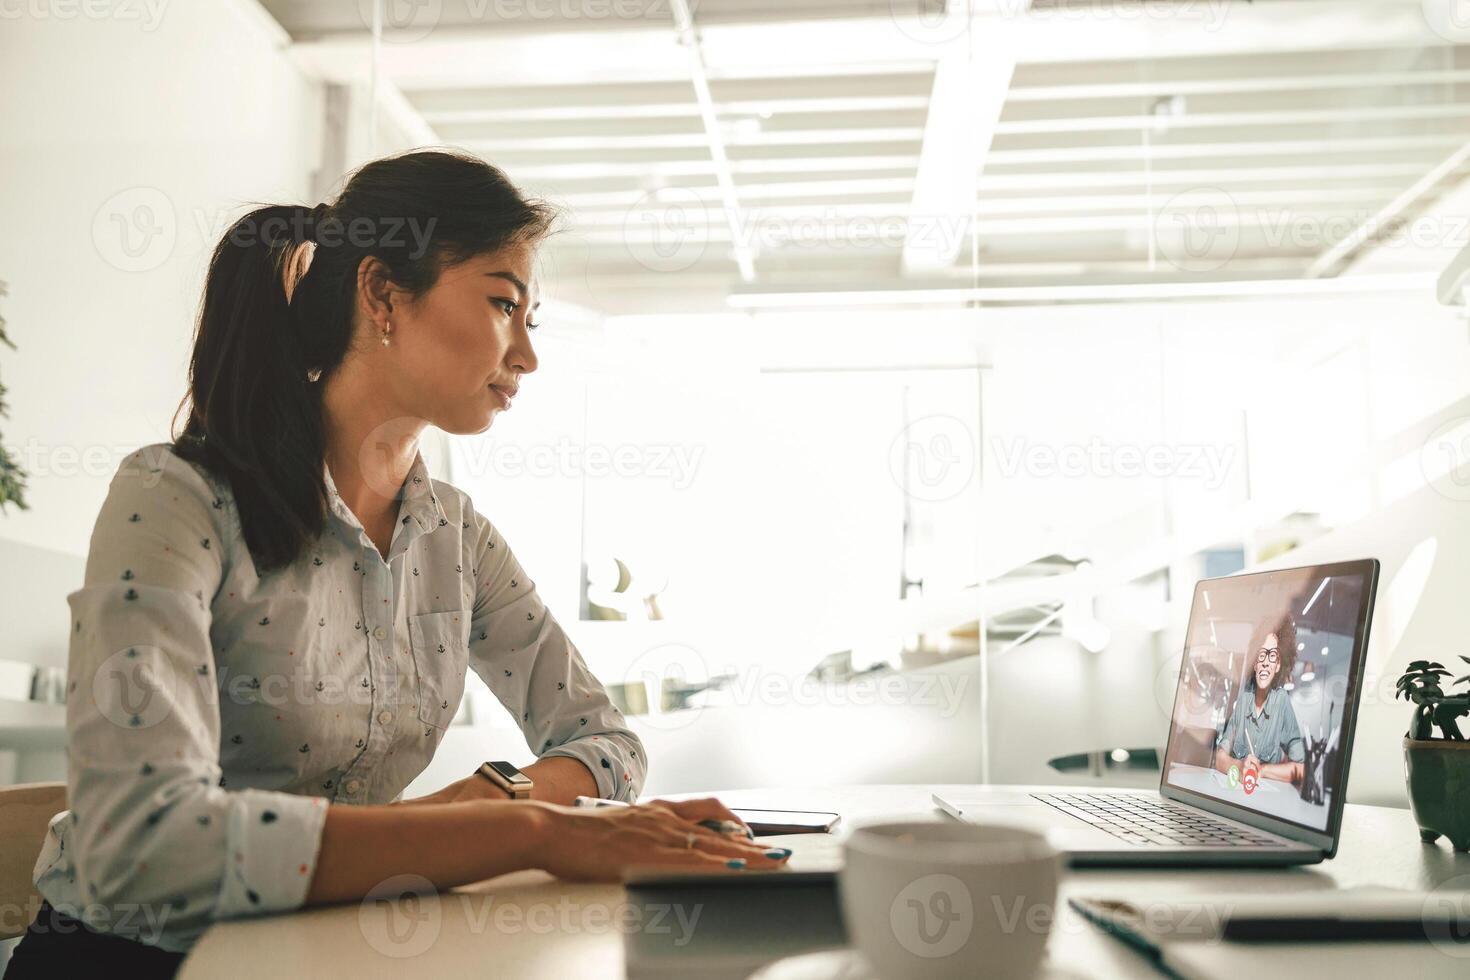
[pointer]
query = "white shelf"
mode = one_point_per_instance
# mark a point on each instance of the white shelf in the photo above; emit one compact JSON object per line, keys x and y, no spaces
{"x":32,"y":725}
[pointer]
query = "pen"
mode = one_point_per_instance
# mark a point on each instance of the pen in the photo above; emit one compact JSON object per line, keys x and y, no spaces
{"x":592,"y":801}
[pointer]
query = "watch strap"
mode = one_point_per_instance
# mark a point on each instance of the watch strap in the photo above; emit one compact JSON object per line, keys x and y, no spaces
{"x":520,"y":789}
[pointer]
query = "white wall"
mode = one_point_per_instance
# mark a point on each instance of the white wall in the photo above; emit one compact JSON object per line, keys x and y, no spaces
{"x":192,"y":117}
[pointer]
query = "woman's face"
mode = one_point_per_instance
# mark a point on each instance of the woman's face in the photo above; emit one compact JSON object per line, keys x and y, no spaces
{"x":462,"y":346}
{"x":1268,"y":662}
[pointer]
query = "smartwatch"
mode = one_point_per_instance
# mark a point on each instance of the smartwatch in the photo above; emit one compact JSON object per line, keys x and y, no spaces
{"x":508,"y":778}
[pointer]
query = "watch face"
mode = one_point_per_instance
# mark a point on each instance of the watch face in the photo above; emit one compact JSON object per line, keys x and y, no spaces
{"x":509,"y":773}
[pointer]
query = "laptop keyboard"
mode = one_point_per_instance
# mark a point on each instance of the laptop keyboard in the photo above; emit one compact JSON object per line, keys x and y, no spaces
{"x":1147,"y":820}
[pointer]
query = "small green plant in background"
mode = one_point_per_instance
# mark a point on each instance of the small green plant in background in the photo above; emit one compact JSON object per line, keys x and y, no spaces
{"x":12,"y":477}
{"x":1432,"y":706}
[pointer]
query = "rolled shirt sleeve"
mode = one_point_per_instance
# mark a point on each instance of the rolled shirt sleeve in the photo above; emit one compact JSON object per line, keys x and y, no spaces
{"x":1291,"y":733}
{"x":150,"y":829}
{"x":1226,"y":735}
{"x":528,"y":661}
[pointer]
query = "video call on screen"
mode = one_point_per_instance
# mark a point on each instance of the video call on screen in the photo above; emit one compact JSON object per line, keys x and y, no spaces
{"x":1259,"y":708}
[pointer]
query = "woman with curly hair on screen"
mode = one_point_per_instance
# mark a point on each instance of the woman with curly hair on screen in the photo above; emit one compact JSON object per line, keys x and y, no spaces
{"x":1262,"y":732}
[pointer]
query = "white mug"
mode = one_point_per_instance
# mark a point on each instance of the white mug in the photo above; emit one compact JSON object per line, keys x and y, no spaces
{"x":945,"y":900}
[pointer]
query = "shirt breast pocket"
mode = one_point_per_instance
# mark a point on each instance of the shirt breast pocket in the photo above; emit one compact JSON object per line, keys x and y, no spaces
{"x":441,"y":656}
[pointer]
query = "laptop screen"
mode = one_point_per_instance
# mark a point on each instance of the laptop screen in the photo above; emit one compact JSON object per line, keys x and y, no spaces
{"x":1272,"y":664}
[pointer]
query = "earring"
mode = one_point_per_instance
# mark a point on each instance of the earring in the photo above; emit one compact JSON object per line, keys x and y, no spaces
{"x":314,"y":375}
{"x":387,"y":325}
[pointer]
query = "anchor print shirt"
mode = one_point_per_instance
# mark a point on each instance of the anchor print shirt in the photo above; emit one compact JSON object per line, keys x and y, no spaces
{"x":213,"y":713}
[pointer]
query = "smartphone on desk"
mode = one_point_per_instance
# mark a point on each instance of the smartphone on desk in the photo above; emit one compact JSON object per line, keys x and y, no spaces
{"x":764,"y":823}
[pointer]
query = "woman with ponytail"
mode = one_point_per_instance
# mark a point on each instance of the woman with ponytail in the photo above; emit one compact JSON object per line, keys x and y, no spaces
{"x":280,"y":605}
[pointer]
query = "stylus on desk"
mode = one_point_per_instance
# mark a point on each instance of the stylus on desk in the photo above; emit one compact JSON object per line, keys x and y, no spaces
{"x":592,"y":801}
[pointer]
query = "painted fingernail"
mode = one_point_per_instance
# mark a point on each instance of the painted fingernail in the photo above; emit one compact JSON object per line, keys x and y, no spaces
{"x":749,"y":833}
{"x":779,"y":853}
{"x":736,"y":864}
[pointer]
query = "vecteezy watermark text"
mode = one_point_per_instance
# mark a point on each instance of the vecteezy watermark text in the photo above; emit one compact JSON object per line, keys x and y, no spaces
{"x":1209,"y":464}
{"x":672,"y":462}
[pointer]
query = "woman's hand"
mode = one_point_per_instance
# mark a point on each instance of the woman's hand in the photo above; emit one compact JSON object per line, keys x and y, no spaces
{"x":599,"y":844}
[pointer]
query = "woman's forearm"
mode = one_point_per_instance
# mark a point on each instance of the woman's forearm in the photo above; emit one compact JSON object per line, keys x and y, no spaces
{"x":453,"y":844}
{"x":559,"y":779}
{"x":1285,"y":771}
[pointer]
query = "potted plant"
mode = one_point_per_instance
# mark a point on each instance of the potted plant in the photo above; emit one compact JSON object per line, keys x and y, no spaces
{"x":1437,"y":769}
{"x":12,"y":477}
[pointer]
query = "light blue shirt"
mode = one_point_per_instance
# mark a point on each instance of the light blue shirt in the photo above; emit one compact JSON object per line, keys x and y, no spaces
{"x":1274,"y":731}
{"x":213,"y":714}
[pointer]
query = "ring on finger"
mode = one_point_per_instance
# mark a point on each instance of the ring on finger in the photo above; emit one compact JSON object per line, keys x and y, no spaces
{"x":688,"y":841}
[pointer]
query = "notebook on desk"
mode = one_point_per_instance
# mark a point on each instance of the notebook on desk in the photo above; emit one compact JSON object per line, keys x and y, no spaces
{"x":725,"y":933}
{"x":1323,"y":934}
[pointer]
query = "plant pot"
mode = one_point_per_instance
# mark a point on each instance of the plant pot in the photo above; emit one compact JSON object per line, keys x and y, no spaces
{"x":1438,"y":775}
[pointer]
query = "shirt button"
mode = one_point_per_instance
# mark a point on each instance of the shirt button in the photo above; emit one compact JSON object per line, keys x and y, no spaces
{"x":384,"y":717}
{"x":380,"y":632}
{"x":353,"y":786}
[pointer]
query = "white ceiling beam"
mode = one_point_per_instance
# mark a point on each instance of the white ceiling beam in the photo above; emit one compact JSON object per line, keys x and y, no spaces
{"x":1236,"y":86}
{"x":1435,"y":237}
{"x":1277,"y":221}
{"x":837,"y":264}
{"x":970,"y":85}
{"x":678,"y":110}
{"x":1247,"y":149}
{"x":1109,"y":269}
{"x":454,"y":58}
{"x":1198,"y":120}
{"x":496,"y":108}
{"x":1382,"y":220}
{"x":1292,"y":199}
{"x":531,"y":170}
{"x":1380,"y":176}
{"x":1111,"y":292}
{"x":1358,"y":148}
{"x":674,"y":141}
{"x":689,"y":38}
{"x":947,"y":142}
{"x":749,"y":192}
{"x":1312,"y":174}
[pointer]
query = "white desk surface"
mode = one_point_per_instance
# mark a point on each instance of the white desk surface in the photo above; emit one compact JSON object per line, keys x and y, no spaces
{"x":460,"y":936}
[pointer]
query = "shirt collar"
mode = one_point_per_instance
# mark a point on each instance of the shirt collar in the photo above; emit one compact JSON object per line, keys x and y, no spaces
{"x":420,"y":502}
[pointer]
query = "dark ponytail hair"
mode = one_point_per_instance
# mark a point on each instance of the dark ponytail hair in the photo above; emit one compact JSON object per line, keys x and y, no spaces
{"x":254,"y":420}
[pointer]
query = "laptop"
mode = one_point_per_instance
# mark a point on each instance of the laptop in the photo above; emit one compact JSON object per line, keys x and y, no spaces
{"x":1259,"y":739}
